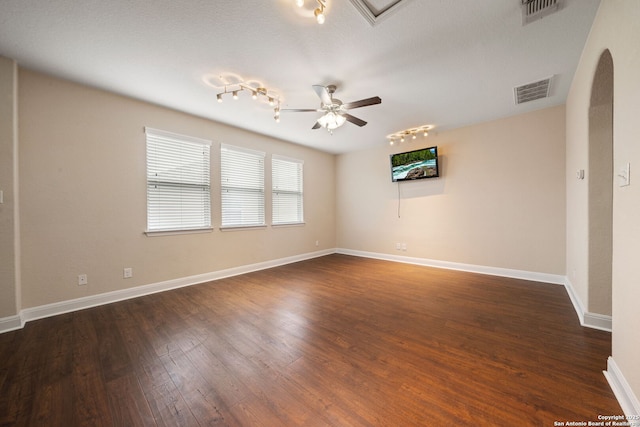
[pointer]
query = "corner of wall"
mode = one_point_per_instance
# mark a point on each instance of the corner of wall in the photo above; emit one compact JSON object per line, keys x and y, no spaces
{"x":621,"y":389}
{"x":587,"y":319}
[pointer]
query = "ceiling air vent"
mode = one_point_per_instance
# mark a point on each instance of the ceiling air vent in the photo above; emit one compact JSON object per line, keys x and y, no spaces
{"x":532,"y":91}
{"x":537,"y":9}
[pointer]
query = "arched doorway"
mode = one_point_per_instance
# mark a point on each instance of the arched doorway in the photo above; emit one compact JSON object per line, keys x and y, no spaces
{"x":601,"y":187}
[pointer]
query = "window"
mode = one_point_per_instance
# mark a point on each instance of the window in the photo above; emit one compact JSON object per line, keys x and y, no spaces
{"x":178,"y":182}
{"x":287,"y":200}
{"x":242,"y":186}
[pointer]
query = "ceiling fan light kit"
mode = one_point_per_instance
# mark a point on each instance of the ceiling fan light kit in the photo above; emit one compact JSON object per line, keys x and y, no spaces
{"x":332,"y":121}
{"x":334,"y":111}
{"x":412,"y":133}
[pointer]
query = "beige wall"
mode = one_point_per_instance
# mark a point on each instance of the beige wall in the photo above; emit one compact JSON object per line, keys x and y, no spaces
{"x":500,"y":201}
{"x":615,"y":28}
{"x":9,"y":240}
{"x":83,"y":210}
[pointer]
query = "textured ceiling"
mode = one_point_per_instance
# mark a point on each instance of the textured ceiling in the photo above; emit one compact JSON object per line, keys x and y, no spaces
{"x":448,"y":63}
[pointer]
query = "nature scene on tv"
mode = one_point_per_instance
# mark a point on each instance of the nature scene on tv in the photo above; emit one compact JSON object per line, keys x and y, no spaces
{"x":414,"y":164}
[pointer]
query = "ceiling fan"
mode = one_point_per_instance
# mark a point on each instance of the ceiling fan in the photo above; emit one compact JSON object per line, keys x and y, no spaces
{"x":334,"y":111}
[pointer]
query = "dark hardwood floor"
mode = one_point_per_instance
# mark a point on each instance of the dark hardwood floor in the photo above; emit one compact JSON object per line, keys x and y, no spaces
{"x":333,"y":341}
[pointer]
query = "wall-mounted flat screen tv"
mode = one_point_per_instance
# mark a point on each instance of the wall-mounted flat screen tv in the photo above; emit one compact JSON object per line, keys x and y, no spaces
{"x":416,"y":164}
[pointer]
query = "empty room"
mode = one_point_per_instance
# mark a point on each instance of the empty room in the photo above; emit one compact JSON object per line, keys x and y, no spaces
{"x":319,"y":213}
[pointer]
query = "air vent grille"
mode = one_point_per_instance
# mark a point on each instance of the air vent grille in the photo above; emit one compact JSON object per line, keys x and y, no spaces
{"x":532,"y":91}
{"x":537,"y":9}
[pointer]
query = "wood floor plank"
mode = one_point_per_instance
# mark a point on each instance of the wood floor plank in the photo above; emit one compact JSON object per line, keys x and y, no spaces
{"x":203,"y":401}
{"x":89,"y":390}
{"x":332,"y":341}
{"x":128,"y":406}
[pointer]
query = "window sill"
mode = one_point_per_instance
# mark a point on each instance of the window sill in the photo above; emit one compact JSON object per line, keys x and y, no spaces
{"x":241,"y":227}
{"x":156,"y":233}
{"x":288,"y":224}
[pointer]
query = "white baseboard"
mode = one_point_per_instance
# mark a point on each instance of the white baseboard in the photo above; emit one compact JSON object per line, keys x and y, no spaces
{"x":589,"y":320}
{"x":493,"y":271}
{"x":16,"y":322}
{"x":7,"y":324}
{"x":10,"y":323}
{"x":598,"y":321}
{"x":621,"y":389}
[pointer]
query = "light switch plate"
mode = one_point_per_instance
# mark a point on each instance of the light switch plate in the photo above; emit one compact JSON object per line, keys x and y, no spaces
{"x":625,"y":175}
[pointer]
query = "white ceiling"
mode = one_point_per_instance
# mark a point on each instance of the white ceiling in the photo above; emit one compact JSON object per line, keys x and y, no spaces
{"x":447,"y":63}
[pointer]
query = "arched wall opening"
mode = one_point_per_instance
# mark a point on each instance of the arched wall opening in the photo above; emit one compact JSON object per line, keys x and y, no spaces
{"x":601,"y":188}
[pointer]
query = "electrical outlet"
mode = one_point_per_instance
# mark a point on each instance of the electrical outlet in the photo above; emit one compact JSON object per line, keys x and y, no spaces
{"x":317,"y":242}
{"x":398,"y":246}
{"x":128,"y":273}
{"x":82,"y":279}
{"x":404,"y":246}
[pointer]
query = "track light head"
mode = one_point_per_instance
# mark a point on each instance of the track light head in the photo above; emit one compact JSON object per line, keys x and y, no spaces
{"x":219,"y":97}
{"x":235,"y":94}
{"x":299,"y":3}
{"x":319,"y":14}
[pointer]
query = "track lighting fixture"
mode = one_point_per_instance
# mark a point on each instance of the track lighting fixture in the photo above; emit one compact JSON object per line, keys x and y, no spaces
{"x":413,"y":133}
{"x":256,"y":92}
{"x":318,"y":12}
{"x":276,"y":113}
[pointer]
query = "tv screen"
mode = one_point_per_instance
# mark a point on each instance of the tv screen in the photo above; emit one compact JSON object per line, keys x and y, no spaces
{"x":416,"y":164}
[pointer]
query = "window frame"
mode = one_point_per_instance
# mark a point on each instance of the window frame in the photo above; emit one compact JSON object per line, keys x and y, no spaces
{"x":298,"y":192}
{"x":185,"y":145}
{"x":242,"y":185}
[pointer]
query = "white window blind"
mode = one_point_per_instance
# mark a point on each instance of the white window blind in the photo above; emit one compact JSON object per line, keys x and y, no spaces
{"x":287,"y":194}
{"x":178,"y":182}
{"x":242,"y":186}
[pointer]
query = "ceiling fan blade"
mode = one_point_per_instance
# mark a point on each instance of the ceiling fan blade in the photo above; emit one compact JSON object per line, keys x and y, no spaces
{"x":299,"y":110}
{"x":317,"y":126}
{"x":354,"y":120}
{"x":363,"y":102}
{"x":323,"y":93}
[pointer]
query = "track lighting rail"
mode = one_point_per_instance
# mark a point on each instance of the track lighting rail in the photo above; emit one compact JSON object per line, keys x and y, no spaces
{"x":256,"y":92}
